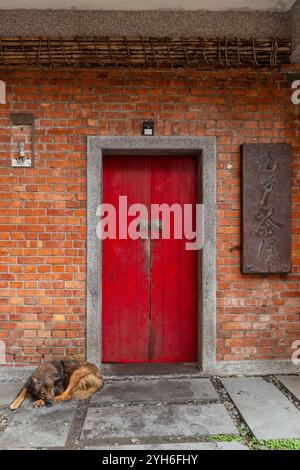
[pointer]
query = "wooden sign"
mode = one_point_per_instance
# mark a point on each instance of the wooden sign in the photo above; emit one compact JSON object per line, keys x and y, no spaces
{"x":266,"y":208}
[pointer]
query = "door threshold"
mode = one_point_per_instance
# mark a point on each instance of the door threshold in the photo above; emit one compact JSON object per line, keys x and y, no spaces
{"x":153,"y":370}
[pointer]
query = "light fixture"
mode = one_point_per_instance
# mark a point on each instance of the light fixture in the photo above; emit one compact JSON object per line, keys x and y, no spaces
{"x":22,"y":139}
{"x":148,"y":128}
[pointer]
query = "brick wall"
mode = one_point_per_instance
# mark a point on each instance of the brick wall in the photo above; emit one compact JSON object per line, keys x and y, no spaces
{"x":43,"y":209}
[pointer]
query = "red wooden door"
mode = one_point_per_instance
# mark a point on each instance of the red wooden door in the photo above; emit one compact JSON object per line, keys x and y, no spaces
{"x":149,"y":291}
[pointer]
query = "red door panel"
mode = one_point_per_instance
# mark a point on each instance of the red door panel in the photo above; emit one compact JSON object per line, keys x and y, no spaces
{"x":149,"y":287}
{"x":174,"y":269}
{"x":125,"y":290}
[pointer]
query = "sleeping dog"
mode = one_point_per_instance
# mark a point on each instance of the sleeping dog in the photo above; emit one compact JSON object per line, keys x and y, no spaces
{"x":59,"y":381}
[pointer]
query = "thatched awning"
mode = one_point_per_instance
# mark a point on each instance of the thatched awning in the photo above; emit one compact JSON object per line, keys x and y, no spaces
{"x":141,"y":52}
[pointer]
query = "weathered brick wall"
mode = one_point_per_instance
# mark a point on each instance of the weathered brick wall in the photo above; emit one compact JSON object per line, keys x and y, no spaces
{"x":43,"y":209}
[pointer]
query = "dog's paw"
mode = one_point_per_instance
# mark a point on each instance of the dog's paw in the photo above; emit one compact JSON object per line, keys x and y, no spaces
{"x":13,"y":407}
{"x":39,"y":403}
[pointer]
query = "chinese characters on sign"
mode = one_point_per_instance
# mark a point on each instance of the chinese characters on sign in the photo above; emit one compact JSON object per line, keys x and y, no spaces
{"x":266,"y":206}
{"x":296,"y":93}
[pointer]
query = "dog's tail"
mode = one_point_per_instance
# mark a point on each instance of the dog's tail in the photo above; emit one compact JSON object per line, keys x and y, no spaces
{"x":87,"y":386}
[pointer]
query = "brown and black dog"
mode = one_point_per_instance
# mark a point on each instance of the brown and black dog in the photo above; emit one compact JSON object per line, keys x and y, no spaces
{"x":59,"y":381}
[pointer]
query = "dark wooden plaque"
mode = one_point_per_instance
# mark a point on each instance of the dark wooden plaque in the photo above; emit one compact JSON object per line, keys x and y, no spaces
{"x":22,"y":119}
{"x":266,"y":208}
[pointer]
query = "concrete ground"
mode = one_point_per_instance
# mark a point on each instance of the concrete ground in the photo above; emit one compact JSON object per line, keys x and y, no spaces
{"x":160,"y":413}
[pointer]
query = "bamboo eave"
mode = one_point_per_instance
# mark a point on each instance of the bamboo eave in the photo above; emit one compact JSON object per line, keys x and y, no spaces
{"x":143,"y":52}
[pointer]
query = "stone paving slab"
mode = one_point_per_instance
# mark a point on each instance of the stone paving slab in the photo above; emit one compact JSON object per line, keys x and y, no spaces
{"x":150,"y":370}
{"x":268,"y":413}
{"x":140,"y":421}
{"x":144,"y":391}
{"x":9,"y":391}
{"x":178,"y":446}
{"x":292,"y":383}
{"x":38,"y":427}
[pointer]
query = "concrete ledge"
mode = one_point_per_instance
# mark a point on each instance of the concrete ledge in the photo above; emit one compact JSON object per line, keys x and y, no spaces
{"x":15,"y":374}
{"x":255,"y":368}
{"x":229,"y":368}
{"x":56,"y":23}
{"x":295,"y":32}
